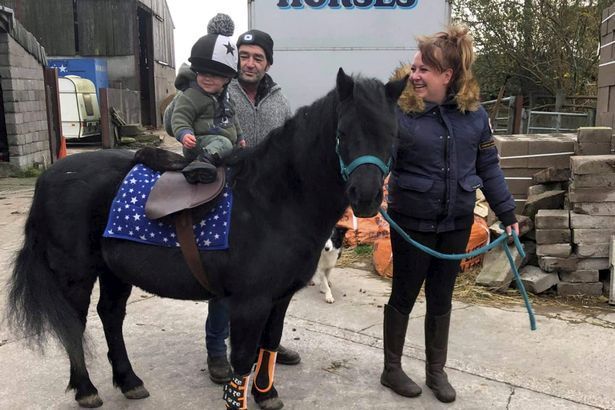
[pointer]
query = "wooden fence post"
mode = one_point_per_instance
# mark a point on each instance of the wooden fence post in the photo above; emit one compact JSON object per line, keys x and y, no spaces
{"x":107,"y":135}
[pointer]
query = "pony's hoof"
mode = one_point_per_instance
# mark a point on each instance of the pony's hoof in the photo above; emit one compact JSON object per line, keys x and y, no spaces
{"x":139,"y":392}
{"x":90,"y":402}
{"x":273,"y":403}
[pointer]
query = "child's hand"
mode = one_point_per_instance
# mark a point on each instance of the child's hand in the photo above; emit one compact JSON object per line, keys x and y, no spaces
{"x":242,"y":144}
{"x":189,"y":141}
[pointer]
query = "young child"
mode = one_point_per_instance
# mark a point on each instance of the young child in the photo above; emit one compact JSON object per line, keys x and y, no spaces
{"x":203,"y":118}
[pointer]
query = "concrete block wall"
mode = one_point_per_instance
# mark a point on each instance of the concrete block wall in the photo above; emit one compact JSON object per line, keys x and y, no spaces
{"x":605,"y":107}
{"x":23,"y":92}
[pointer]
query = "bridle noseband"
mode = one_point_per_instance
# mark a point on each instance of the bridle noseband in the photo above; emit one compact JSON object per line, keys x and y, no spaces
{"x":346,"y":170}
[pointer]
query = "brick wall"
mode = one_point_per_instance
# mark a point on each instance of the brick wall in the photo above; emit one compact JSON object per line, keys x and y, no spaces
{"x":605,"y":109}
{"x":23,"y":92}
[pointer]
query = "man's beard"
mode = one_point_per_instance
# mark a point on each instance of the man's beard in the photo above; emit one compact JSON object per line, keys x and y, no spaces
{"x":255,"y":79}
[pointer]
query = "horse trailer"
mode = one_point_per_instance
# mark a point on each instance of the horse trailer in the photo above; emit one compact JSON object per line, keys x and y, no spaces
{"x":313,"y":38}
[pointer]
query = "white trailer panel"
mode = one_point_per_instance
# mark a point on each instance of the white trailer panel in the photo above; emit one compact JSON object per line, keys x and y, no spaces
{"x":313,"y":38}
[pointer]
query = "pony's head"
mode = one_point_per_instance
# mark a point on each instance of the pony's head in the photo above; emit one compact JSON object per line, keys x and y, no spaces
{"x":366,"y":131}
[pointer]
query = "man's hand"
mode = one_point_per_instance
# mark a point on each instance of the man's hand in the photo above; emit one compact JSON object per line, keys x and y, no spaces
{"x":189,"y":141}
{"x":241,"y":144}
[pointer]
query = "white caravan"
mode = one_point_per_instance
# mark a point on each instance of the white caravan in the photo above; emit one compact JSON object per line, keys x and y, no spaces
{"x":78,"y":107}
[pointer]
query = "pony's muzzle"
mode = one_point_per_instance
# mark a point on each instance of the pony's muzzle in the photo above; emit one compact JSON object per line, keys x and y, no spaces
{"x":365,"y":196}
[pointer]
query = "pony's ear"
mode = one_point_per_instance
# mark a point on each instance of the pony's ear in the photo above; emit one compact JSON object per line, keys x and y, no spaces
{"x":345,"y":85}
{"x":394,"y":89}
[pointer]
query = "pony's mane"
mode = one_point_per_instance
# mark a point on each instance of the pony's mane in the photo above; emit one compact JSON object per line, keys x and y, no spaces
{"x":261,"y":161}
{"x":270,"y":164}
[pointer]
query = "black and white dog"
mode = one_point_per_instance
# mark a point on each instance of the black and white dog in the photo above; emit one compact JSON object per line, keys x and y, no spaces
{"x":328,"y":258}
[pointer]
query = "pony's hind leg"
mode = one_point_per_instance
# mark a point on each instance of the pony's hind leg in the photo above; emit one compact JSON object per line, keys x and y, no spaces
{"x":263,"y":390}
{"x":79,"y":299}
{"x":112,"y":309}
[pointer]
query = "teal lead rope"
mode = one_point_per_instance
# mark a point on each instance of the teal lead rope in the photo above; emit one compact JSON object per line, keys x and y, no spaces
{"x":501,"y":241}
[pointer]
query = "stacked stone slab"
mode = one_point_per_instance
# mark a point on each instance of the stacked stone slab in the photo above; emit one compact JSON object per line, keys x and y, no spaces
{"x":592,"y":220}
{"x":594,"y":141}
{"x":553,"y":242}
{"x":522,"y":157}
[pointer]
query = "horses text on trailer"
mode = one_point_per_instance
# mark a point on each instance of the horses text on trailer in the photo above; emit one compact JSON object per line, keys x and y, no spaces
{"x":313,"y":38}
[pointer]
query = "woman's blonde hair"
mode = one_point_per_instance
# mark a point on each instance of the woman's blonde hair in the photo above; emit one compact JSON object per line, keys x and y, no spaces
{"x":454,"y":49}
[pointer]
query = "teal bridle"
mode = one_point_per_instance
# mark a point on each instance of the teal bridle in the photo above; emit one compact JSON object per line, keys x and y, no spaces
{"x":346,"y":170}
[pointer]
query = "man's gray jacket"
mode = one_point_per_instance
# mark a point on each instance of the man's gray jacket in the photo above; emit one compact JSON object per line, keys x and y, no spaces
{"x":272,"y":109}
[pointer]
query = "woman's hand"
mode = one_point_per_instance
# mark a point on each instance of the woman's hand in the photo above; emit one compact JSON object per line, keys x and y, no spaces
{"x":512,"y":227}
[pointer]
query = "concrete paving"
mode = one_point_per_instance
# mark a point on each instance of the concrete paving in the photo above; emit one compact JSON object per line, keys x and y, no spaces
{"x":495,"y":361}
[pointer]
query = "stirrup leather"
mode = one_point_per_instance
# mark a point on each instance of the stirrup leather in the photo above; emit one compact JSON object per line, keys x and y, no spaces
{"x":265,"y":370}
{"x":236,"y":393}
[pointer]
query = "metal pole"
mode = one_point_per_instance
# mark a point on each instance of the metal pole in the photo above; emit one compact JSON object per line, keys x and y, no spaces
{"x":518,"y":114}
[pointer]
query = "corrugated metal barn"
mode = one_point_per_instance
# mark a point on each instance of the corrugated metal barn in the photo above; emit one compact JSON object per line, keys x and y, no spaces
{"x":134,"y":36}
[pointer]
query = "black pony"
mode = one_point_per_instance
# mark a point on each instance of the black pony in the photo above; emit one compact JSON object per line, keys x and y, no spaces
{"x":288,"y":195}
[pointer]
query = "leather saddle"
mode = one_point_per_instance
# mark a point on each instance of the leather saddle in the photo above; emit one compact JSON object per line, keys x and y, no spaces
{"x":172,"y":194}
{"x":173,"y":197}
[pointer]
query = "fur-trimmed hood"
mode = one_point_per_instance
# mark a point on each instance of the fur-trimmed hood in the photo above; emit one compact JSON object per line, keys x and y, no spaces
{"x":409,"y":102}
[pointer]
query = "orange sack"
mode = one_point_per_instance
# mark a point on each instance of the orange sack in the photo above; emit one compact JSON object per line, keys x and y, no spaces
{"x":479,"y":236}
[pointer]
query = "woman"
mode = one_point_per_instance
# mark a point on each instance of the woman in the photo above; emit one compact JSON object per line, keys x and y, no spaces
{"x":446,"y":152}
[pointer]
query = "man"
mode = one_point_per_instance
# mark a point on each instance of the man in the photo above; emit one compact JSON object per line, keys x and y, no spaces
{"x":260,"y":107}
{"x":259,"y":101}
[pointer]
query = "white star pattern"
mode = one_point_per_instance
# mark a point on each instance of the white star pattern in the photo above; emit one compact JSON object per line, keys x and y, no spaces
{"x":128,"y":221}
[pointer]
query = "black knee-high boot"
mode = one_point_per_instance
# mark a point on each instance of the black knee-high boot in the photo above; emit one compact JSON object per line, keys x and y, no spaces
{"x":436,"y":347}
{"x":395,"y":325}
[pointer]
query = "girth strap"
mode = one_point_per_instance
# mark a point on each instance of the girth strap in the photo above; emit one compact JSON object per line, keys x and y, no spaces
{"x":187,"y":243}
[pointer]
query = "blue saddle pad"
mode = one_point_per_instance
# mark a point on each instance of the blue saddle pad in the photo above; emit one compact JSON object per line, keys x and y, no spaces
{"x":127,"y":218}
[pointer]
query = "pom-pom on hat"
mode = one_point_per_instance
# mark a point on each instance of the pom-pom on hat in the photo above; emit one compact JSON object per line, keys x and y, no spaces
{"x":214,"y":53}
{"x":258,"y":38}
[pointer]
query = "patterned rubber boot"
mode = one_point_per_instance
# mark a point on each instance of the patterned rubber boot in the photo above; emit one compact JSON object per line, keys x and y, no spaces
{"x":265,"y":395}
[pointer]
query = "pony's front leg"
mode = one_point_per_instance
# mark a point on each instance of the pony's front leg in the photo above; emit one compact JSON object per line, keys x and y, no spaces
{"x":263,"y":390}
{"x":248,"y":319}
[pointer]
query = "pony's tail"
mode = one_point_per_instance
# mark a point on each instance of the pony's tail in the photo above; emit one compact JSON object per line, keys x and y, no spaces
{"x":36,"y":306}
